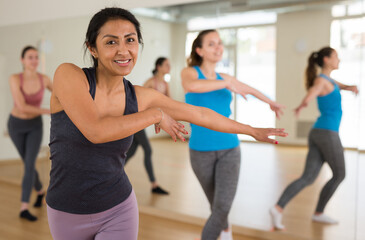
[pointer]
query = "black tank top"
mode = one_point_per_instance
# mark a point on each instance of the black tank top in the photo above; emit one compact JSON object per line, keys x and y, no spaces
{"x":87,"y":178}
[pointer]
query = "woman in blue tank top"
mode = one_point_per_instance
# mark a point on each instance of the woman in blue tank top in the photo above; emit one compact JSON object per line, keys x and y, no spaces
{"x":215,"y":156}
{"x":324,"y":142}
{"x":94,"y":113}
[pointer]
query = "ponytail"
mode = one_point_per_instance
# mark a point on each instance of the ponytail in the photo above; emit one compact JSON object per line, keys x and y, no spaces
{"x":311,"y":71}
{"x":314,"y":60}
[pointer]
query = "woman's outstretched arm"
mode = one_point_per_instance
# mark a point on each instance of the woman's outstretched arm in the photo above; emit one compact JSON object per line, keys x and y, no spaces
{"x":352,"y":88}
{"x":244,"y":89}
{"x":71,"y":94}
{"x":312,"y":93}
{"x":191,"y":83}
{"x":148,"y":98}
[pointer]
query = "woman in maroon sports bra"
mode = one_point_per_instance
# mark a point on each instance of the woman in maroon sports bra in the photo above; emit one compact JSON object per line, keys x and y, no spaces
{"x":25,"y":123}
{"x":157,"y":81}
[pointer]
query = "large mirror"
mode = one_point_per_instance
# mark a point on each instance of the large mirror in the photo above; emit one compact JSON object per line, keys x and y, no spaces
{"x":267,"y":44}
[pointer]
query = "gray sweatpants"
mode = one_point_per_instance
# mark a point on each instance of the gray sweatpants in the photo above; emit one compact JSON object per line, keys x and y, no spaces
{"x":26,"y":135}
{"x":324,"y":146}
{"x":217,"y":172}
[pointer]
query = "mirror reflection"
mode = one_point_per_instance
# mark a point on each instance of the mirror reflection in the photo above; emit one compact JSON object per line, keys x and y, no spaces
{"x":266,"y":45}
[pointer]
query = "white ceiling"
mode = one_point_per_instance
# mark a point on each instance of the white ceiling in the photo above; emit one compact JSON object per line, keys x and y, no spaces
{"x":25,"y":11}
{"x":186,"y":11}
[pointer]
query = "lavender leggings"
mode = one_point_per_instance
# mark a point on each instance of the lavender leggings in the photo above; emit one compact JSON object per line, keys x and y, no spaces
{"x":119,"y":222}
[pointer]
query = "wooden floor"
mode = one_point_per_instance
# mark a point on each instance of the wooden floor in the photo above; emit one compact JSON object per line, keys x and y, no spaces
{"x":265,"y":172}
{"x":150,"y":227}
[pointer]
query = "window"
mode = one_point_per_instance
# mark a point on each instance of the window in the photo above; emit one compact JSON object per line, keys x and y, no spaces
{"x":256,"y":64}
{"x":352,"y":9}
{"x":348,"y":38}
{"x":232,"y":20}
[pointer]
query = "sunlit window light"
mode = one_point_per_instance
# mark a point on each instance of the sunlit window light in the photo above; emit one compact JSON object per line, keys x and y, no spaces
{"x":338,"y":10}
{"x":232,"y":20}
{"x":355,"y":9}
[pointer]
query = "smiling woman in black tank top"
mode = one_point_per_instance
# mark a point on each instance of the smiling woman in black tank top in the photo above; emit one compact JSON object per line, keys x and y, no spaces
{"x":90,"y":196}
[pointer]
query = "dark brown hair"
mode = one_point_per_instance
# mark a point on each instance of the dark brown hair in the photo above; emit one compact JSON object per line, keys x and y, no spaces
{"x":103,"y":16}
{"x":194,"y":59}
{"x":314,"y":60}
{"x":158,"y":62}
{"x":26,"y":49}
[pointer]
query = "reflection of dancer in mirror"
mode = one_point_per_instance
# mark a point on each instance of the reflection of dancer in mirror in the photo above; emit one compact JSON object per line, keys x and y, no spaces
{"x":323,"y":141}
{"x":215,"y":156}
{"x":25,"y":124}
{"x":157,"y":82}
{"x":95,"y":112}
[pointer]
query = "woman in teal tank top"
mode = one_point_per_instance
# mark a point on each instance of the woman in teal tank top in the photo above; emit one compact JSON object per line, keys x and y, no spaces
{"x":215,"y":156}
{"x":324,"y":142}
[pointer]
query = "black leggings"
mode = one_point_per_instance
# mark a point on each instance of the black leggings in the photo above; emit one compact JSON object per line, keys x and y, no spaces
{"x":26,"y":135}
{"x":140,"y":138}
{"x":324,"y":146}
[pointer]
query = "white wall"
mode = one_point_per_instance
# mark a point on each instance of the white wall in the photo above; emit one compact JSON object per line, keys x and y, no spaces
{"x":298,"y":34}
{"x":310,"y":30}
{"x":157,"y":43}
{"x":66,"y":37}
{"x":178,"y":59}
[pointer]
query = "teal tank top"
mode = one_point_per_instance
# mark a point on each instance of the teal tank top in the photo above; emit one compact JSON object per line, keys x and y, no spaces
{"x":330,"y":108}
{"x":204,"y":139}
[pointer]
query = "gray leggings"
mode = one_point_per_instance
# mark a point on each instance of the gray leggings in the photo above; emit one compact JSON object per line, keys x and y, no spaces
{"x":140,"y":138}
{"x":324,"y":146}
{"x":26,"y":135}
{"x":217,"y":172}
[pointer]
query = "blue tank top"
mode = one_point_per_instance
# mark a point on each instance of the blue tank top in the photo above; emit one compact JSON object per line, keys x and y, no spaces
{"x":87,"y":178}
{"x":204,"y":139}
{"x":330,"y":108}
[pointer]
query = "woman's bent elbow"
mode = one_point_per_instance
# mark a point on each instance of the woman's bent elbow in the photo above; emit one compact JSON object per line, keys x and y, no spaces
{"x":94,"y":137}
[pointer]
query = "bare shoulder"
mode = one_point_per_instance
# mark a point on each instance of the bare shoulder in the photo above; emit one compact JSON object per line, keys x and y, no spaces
{"x":148,"y":82}
{"x":68,"y":68}
{"x":189,"y":71}
{"x":320,"y":81}
{"x":69,"y":72}
{"x":14,"y":78}
{"x":321,"y":85}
